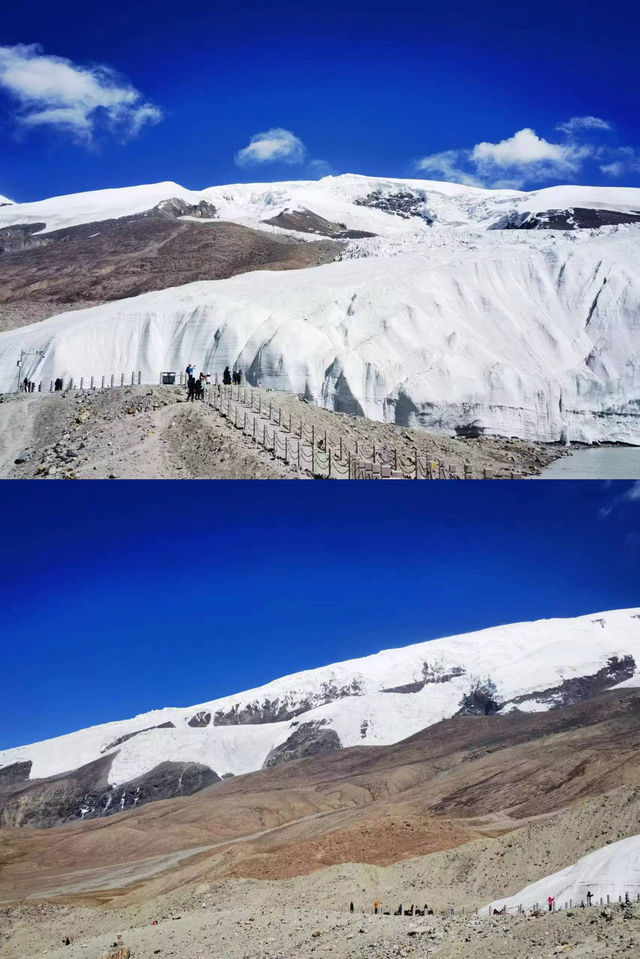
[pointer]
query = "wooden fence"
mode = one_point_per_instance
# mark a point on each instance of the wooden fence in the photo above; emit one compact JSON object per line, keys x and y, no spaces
{"x":321,"y":453}
{"x":314,"y":451}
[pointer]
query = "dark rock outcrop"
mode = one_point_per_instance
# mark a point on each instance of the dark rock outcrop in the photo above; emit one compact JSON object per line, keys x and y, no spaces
{"x":200,"y":719}
{"x":278,"y":710}
{"x":575,"y":218}
{"x":306,"y":221}
{"x":430,"y":674}
{"x":85,"y":793}
{"x":309,"y":739}
{"x":15,"y":239}
{"x":174,"y":207}
{"x":15,"y":773}
{"x":481,"y":700}
{"x":583,"y":687}
{"x":123,"y":739}
{"x":405,"y":205}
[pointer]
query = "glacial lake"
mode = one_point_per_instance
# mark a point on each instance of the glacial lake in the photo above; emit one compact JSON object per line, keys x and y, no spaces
{"x":599,"y":462}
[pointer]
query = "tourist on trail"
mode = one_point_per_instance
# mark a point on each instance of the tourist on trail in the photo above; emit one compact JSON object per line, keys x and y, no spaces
{"x":550,"y":902}
{"x":452,"y":910}
{"x":191,"y":388}
{"x":239,"y":377}
{"x":226,"y":377}
{"x":25,"y":385}
{"x":589,"y":898}
{"x":203,"y":383}
{"x":190,"y":369}
{"x":351,"y":907}
{"x":58,"y":384}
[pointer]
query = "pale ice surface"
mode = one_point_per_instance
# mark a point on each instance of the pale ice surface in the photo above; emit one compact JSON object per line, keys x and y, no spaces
{"x":520,"y":659}
{"x":611,"y":871}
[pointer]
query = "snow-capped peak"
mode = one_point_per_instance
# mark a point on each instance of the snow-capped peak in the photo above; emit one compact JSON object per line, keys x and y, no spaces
{"x":375,"y":700}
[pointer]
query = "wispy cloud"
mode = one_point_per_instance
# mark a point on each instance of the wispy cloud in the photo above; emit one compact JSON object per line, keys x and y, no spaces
{"x":577,"y":125}
{"x":273,"y":146}
{"x":630,"y":495}
{"x":82,"y":101}
{"x":529,"y":159}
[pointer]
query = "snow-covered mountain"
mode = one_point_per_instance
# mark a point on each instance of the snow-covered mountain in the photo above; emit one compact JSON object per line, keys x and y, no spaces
{"x":388,"y":207}
{"x":613,"y":871}
{"x":377,"y":700}
{"x":449,"y":304}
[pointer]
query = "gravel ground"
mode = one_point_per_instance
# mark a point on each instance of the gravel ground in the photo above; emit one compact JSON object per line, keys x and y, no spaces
{"x":232,"y":922}
{"x":147,"y":432}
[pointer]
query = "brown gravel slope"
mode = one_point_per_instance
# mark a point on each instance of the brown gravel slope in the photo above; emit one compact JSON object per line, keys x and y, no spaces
{"x":98,"y":262}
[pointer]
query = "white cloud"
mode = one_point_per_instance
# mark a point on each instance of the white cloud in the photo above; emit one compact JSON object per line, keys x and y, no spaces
{"x":577,"y":125}
{"x":523,"y":148}
{"x":275,"y":145}
{"x":448,"y":165}
{"x":527,"y":159}
{"x":54,"y":92}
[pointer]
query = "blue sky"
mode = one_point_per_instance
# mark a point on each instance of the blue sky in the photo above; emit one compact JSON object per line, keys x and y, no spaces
{"x":117,"y":598}
{"x":94,"y":96}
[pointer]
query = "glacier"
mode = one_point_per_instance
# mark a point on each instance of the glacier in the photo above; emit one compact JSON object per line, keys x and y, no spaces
{"x":437,"y":321}
{"x":376,"y":700}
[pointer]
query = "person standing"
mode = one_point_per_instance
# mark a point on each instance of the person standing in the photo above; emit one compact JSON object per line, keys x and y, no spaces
{"x":550,"y":901}
{"x":226,"y":376}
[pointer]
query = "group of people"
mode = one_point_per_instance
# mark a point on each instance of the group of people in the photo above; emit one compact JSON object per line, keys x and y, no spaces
{"x":28,"y":385}
{"x":195,"y":384}
{"x":228,"y":377}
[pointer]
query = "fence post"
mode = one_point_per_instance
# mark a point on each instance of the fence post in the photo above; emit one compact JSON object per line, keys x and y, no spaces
{"x":139,"y":376}
{"x":373,"y":455}
{"x":51,"y":386}
{"x":313,"y":442}
{"x":341,"y":447}
{"x":81,"y":382}
{"x":286,"y":449}
{"x":415,"y":452}
{"x":71,"y":383}
{"x":132,"y":377}
{"x":91,"y":383}
{"x":122,"y":379}
{"x":113,"y":378}
{"x":244,"y":428}
{"x":329,"y":454}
